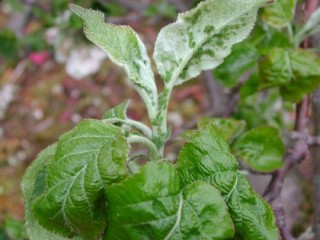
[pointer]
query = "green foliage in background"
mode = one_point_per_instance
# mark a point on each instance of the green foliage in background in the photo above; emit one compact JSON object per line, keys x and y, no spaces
{"x":278,"y":69}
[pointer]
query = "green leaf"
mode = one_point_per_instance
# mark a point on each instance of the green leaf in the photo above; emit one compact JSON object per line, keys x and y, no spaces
{"x":280,"y":13}
{"x":206,"y":153}
{"x":151,"y":205}
{"x":3,"y":234}
{"x":296,"y":72}
{"x":118,"y":117}
{"x":311,"y":27}
{"x":251,"y":85}
{"x":228,"y":128}
{"x":118,"y":112}
{"x":15,"y":229}
{"x":296,"y":92}
{"x":264,"y":38}
{"x":261,"y":148}
{"x":125,"y":49}
{"x":87,"y":160}
{"x":243,"y":58}
{"x":187,"y":135}
{"x":201,"y":38}
{"x":253,"y":217}
{"x":33,"y":185}
{"x":9,"y":44}
{"x":207,"y":157}
{"x":275,"y":69}
{"x":257,"y":110}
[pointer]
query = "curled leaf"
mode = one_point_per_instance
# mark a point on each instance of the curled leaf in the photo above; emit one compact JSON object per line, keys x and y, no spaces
{"x":207,"y":157}
{"x":87,"y":160}
{"x":151,"y":205}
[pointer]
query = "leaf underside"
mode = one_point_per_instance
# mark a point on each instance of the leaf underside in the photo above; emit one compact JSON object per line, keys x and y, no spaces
{"x":124,"y":48}
{"x":201,"y":38}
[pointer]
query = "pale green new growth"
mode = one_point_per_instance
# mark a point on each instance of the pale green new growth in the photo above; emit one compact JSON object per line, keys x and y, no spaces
{"x":118,"y":112}
{"x":203,"y":37}
{"x":118,"y":115}
{"x":124,"y":48}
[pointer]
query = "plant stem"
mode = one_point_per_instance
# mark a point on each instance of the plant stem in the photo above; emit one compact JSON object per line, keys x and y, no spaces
{"x":154,"y":154}
{"x":160,"y":128}
{"x":281,"y":221}
{"x":311,"y":6}
{"x":296,"y":153}
{"x":132,"y":123}
{"x":291,"y":36}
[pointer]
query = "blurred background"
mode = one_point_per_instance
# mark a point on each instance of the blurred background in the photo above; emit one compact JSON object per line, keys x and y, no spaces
{"x":51,"y":77}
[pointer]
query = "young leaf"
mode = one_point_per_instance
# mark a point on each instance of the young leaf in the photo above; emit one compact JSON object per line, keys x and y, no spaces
{"x":33,"y":185}
{"x":263,"y":39}
{"x":311,"y":27}
{"x":118,"y":116}
{"x":206,"y":153}
{"x":125,"y":49}
{"x":87,"y":160}
{"x":118,"y":112}
{"x":243,"y":58}
{"x":296,"y":72}
{"x":261,"y":148}
{"x":280,"y":13}
{"x":201,"y":38}
{"x":275,"y":69}
{"x":207,"y":157}
{"x":250,"y":86}
{"x":228,"y":128}
{"x":151,"y":205}
{"x":257,"y":110}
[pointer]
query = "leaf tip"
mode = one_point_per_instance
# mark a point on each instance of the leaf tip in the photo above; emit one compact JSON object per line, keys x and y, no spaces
{"x":76,"y":9}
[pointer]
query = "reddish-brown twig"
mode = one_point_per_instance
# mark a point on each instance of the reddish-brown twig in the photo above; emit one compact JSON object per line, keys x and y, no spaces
{"x":298,"y":150}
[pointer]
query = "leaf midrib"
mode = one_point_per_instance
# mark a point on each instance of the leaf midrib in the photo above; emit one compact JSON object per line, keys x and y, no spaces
{"x":177,"y":223}
{"x":65,"y":199}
